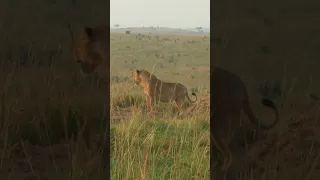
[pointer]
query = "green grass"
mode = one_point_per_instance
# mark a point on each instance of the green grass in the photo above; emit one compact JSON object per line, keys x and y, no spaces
{"x":165,"y":146}
{"x":144,"y":148}
{"x":54,"y":115}
{"x":51,"y":117}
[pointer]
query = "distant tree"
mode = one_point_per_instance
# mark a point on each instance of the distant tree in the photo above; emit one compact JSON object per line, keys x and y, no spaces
{"x":199,"y":29}
{"x":116,"y":25}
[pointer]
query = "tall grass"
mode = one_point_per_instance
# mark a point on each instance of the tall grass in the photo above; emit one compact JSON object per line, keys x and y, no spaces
{"x":164,"y":146}
{"x":145,"y":148}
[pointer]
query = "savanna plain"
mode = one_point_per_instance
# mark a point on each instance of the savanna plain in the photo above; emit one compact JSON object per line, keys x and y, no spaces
{"x":53,"y":119}
{"x":165,"y":146}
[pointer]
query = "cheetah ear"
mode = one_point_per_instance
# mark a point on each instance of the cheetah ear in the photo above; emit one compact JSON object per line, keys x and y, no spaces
{"x":137,"y":71}
{"x":88,"y":32}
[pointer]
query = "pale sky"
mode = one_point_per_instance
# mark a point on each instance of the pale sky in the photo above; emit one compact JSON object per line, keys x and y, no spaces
{"x":164,"y":13}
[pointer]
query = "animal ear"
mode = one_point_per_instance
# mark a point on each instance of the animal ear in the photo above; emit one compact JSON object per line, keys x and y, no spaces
{"x":137,"y":71}
{"x":88,"y":32}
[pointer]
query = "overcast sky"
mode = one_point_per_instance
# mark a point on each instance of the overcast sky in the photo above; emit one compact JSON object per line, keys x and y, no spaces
{"x":164,"y":13}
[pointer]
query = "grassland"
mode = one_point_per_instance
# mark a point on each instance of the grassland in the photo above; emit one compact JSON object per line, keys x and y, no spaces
{"x":50,"y":115}
{"x":52,"y":118}
{"x":165,"y":146}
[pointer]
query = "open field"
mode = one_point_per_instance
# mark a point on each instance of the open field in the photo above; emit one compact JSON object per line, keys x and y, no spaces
{"x":52,"y":118}
{"x":51,"y":115}
{"x":167,"y":146}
